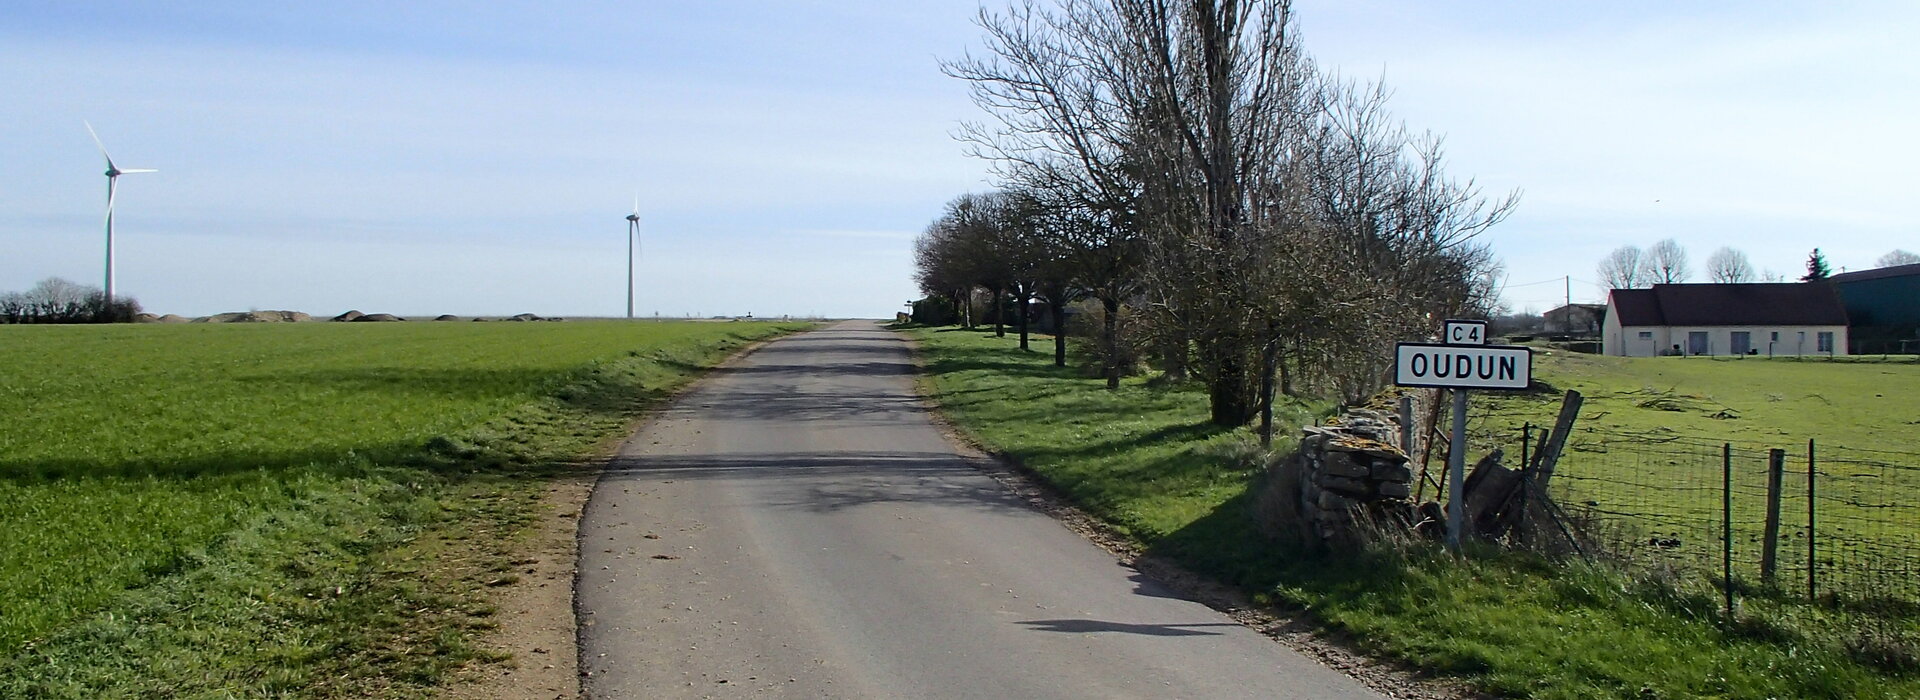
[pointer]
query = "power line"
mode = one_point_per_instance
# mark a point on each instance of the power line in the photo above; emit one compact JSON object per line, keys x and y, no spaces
{"x":1530,"y":284}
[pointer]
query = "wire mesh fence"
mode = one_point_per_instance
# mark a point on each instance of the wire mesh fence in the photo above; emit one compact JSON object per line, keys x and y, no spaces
{"x":1822,"y":522}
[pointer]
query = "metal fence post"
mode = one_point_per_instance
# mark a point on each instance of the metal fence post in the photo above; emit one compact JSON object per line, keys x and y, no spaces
{"x":1770,"y":543}
{"x":1811,"y":575}
{"x":1518,"y":521}
{"x":1526,"y":441}
{"x":1457,"y":473}
{"x":1726,"y":523}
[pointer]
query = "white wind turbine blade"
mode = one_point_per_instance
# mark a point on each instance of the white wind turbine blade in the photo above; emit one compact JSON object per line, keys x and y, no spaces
{"x":96,"y":142}
{"x":139,"y":170}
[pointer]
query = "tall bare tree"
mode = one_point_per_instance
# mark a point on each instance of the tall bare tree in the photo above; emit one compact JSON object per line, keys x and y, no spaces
{"x":1064,"y":137}
{"x":1198,"y":168}
{"x":1222,"y":92}
{"x":1729,"y":266}
{"x":1667,"y":263}
{"x":957,"y":254}
{"x":1624,"y":268}
{"x":1397,"y":236}
{"x":1897,"y":257}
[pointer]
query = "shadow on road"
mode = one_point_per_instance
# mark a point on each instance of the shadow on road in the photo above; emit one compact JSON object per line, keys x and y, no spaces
{"x":789,"y":406}
{"x":829,"y":482}
{"x":1091,"y":626}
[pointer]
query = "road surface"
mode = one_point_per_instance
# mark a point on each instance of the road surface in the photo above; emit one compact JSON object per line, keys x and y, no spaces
{"x":796,"y":527}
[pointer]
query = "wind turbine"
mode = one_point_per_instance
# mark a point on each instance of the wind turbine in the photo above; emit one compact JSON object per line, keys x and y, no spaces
{"x":633,"y":242}
{"x":113,"y":176}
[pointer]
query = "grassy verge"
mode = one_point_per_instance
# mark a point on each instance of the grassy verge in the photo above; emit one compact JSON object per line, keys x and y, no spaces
{"x":1143,"y":459}
{"x":301,"y":510}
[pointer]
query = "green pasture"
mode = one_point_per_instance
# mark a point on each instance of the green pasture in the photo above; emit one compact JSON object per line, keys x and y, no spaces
{"x":1649,"y":441}
{"x":1753,"y":402}
{"x":1144,"y":460}
{"x":236,"y":509}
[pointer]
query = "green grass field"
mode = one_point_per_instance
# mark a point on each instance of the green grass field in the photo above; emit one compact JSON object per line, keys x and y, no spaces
{"x":1143,"y":460}
{"x":256,"y":509}
{"x":1864,"y":404}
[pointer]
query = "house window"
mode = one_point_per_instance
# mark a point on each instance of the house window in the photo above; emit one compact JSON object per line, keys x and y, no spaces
{"x":1646,"y":335}
{"x":1776,"y":336}
{"x":1825,"y":341}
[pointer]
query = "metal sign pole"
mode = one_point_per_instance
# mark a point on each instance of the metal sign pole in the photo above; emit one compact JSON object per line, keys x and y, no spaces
{"x":1456,"y":471}
{"x":1464,"y":361}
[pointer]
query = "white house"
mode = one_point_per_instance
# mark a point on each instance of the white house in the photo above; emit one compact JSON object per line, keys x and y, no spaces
{"x":1725,"y":319}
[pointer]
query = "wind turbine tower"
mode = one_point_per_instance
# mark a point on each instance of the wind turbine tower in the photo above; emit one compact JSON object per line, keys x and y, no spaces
{"x":633,"y":243}
{"x":113,"y":177}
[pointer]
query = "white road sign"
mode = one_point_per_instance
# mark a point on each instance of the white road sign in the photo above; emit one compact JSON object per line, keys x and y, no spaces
{"x":1463,"y":366}
{"x":1459,"y":332}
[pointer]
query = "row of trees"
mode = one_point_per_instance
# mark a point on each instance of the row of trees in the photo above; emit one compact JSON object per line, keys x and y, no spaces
{"x":56,"y":300}
{"x":1263,"y":225}
{"x":1629,"y":267}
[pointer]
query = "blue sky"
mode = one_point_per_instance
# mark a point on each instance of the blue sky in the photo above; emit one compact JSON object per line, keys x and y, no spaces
{"x":463,"y":158}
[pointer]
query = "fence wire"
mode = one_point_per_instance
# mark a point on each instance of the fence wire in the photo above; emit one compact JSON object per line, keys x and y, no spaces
{"x":1846,"y":522}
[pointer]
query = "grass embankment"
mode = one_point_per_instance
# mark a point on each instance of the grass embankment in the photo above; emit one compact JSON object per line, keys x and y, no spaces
{"x":305,"y":510}
{"x":1143,"y":459}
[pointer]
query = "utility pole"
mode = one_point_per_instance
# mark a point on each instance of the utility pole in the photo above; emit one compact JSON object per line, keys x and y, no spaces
{"x":1569,"y":306}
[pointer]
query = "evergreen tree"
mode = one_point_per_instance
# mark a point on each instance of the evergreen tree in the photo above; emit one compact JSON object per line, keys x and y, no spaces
{"x":1816,"y":267}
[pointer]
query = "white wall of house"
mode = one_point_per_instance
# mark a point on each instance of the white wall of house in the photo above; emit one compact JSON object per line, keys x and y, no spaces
{"x":1628,"y":341}
{"x":1765,"y":341}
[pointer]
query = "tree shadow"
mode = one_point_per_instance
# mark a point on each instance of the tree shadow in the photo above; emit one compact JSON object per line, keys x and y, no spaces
{"x":1076,"y":626}
{"x":826,"y":482}
{"x":786,"y":404}
{"x":1193,"y":432}
{"x":213,"y":464}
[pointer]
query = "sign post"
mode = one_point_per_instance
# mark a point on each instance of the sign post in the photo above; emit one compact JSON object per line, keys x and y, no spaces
{"x":1465,"y":361}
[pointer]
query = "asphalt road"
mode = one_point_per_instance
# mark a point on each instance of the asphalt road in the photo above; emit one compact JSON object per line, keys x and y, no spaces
{"x":796,"y":527}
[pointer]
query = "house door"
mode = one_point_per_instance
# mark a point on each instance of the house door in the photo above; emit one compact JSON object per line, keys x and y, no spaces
{"x":1696,"y":342}
{"x":1742,"y":341}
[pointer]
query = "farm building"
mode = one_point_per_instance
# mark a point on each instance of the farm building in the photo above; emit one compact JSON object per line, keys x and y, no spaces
{"x":1883,"y":306}
{"x":1582,"y":320}
{"x":1725,"y":319}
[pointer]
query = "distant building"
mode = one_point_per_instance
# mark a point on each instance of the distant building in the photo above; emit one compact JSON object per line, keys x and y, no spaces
{"x":1883,"y":306}
{"x":1725,"y":319}
{"x":1583,"y":320}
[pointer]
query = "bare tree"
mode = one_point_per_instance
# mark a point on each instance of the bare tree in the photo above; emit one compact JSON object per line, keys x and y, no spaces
{"x":956,"y":254}
{"x":1195,"y":166}
{"x":1897,"y":257}
{"x":1667,"y":263}
{"x":1624,"y":268}
{"x":1729,"y":266}
{"x":1064,"y":139}
{"x":1397,"y":240}
{"x":1222,"y":91}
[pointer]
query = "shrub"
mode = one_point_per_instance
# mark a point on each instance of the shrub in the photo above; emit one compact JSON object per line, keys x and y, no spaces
{"x":55,"y":300}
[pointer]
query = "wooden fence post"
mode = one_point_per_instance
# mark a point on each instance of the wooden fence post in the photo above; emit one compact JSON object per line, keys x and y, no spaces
{"x":1770,"y":544}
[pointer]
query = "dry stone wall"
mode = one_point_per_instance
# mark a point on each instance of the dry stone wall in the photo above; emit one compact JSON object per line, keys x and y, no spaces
{"x":1351,"y":470}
